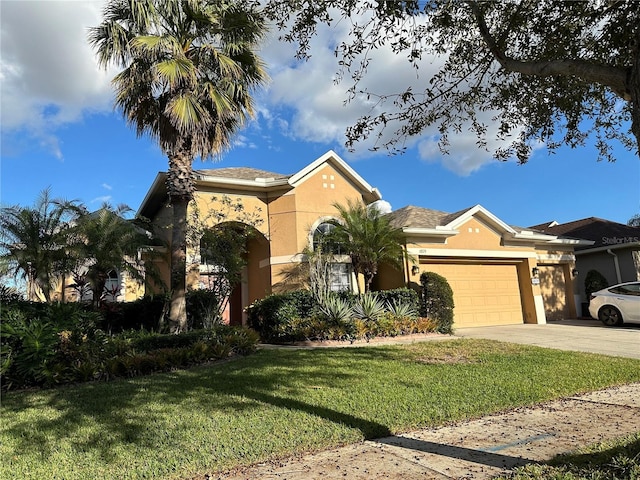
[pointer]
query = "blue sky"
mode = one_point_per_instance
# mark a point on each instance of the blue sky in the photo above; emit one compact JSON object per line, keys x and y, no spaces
{"x":59,"y":130}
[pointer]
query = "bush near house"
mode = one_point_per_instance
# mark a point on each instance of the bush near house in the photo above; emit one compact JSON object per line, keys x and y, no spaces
{"x":143,"y":314}
{"x":46,"y":345}
{"x":436,"y":300}
{"x":298,"y":315}
{"x":593,"y":282}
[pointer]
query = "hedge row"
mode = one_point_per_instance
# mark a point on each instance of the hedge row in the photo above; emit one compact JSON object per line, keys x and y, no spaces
{"x":147,"y":313}
{"x":53,"y":350}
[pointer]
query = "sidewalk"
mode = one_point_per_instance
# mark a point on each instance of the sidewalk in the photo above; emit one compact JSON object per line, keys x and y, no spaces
{"x":476,"y":449}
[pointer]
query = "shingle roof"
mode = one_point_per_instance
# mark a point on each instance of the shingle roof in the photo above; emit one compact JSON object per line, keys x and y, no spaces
{"x":241,"y":173}
{"x":417,"y":217}
{"x":601,"y":231}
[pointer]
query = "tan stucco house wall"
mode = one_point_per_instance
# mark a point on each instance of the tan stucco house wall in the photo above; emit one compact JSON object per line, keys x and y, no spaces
{"x":499,"y":273}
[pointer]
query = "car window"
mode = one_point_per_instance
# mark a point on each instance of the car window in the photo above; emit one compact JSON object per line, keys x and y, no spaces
{"x":631,"y":289}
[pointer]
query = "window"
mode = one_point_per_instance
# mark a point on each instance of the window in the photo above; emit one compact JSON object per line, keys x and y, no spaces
{"x":112,"y":286}
{"x":322,"y":236}
{"x":629,"y":289}
{"x":339,"y":271}
{"x":340,"y":277}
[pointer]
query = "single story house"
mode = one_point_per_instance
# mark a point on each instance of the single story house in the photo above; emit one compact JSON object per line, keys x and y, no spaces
{"x":500,"y":274}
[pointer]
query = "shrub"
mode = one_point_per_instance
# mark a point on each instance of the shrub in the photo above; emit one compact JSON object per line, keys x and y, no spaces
{"x":203,"y":309}
{"x":27,"y":346}
{"x":67,"y":347}
{"x":399,"y":296}
{"x":270,"y":315}
{"x":145,"y":313}
{"x":593,"y":282}
{"x":436,"y":300}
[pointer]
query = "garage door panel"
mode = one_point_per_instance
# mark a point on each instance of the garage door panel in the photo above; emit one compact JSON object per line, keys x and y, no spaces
{"x":483,"y":294}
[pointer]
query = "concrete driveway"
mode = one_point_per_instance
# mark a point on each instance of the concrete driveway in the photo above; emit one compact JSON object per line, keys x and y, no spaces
{"x":577,"y":335}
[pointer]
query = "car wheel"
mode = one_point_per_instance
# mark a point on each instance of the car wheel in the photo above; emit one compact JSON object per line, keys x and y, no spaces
{"x":610,"y":316}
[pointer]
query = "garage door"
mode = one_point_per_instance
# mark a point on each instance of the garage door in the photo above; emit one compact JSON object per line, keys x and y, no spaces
{"x":483,"y":294}
{"x":554,"y":292}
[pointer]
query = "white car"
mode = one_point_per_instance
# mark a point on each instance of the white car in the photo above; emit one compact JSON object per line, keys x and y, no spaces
{"x":616,"y":304}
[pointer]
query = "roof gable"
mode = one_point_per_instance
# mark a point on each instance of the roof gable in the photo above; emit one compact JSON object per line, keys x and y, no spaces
{"x":369,"y":193}
{"x":418,"y":217}
{"x":419,"y":221}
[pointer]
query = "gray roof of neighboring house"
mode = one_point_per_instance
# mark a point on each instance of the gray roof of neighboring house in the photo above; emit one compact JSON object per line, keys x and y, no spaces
{"x":602,"y":232}
{"x":419,"y":217}
{"x":240,"y":173}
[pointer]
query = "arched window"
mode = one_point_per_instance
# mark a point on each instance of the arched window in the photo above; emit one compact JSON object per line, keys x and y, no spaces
{"x":322,"y":237}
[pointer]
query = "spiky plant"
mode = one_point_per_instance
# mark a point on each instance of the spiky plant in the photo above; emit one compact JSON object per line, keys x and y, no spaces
{"x":369,"y":307}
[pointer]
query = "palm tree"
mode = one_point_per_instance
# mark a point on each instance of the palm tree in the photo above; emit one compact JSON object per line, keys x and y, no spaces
{"x":105,"y":241}
{"x":369,"y":239}
{"x":188,"y":70}
{"x":33,"y":240}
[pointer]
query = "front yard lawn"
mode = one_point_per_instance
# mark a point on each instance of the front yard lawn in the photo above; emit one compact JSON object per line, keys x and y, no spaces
{"x":278,"y":402}
{"x":616,"y":460}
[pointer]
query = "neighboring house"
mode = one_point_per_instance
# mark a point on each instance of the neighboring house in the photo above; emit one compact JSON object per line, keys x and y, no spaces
{"x":499,"y":274}
{"x":615,"y":251}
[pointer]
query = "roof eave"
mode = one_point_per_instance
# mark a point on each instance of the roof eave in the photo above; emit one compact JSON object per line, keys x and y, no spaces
{"x":604,"y":248}
{"x":258,"y":183}
{"x":157,"y":184}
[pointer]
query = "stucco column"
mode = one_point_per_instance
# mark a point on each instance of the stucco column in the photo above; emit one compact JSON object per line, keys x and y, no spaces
{"x":532,"y":304}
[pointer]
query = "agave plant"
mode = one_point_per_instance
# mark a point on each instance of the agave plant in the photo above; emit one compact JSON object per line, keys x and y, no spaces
{"x":369,"y":307}
{"x":336,"y":309}
{"x":401,"y":309}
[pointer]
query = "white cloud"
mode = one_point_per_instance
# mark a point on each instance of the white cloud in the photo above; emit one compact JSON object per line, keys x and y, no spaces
{"x":318,"y":104}
{"x":102,"y":199}
{"x":50,"y":78}
{"x":106,"y":186}
{"x":49,"y":74}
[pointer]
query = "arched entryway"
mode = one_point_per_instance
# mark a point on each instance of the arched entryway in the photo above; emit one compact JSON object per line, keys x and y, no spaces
{"x":234,"y":263}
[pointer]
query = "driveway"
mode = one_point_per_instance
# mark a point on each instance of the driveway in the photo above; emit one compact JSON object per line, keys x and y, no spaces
{"x":577,"y":335}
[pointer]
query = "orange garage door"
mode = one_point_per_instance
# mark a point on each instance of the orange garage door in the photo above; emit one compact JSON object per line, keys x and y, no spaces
{"x":486,"y":294}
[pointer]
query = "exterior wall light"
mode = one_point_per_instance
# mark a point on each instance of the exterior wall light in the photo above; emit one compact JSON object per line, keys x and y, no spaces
{"x":574,"y":272}
{"x":535,"y":271}
{"x":415,"y":270}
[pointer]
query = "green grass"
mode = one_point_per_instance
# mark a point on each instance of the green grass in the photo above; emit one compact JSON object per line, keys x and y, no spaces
{"x":617,"y":460}
{"x":278,"y":402}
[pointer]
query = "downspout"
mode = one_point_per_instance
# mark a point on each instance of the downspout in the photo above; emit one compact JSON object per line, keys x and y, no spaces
{"x":616,"y":264}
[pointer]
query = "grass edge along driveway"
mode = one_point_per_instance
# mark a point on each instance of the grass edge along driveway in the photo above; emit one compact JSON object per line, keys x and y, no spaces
{"x":280,"y":402}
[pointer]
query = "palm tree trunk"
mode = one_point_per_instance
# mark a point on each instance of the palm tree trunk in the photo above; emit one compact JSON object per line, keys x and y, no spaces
{"x":180,"y":185}
{"x":178,"y":308}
